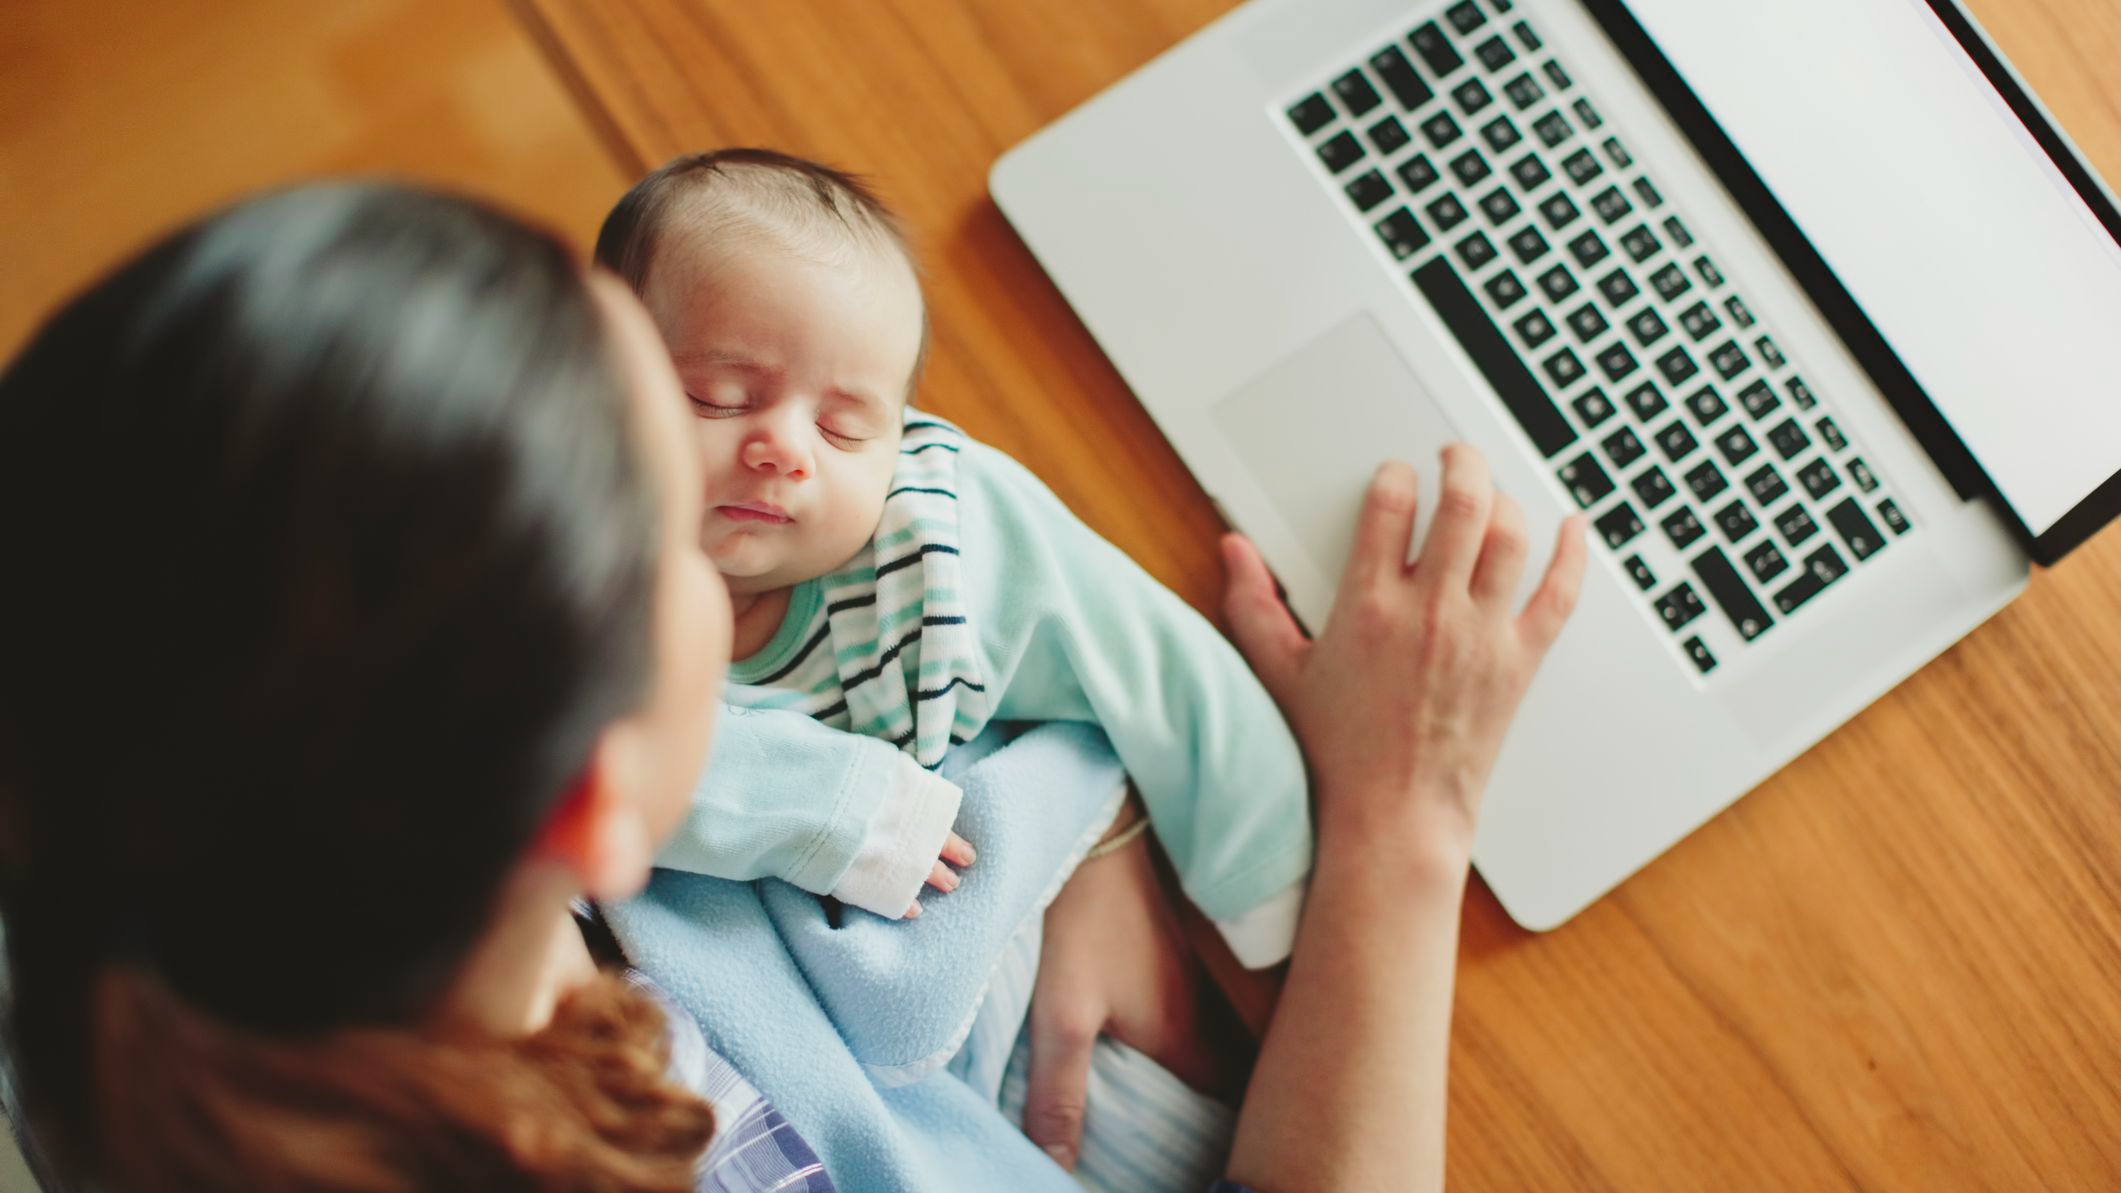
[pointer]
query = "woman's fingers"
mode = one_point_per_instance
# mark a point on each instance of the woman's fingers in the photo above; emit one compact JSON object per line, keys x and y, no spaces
{"x":1502,"y":554}
{"x":1461,"y":524}
{"x":1058,"y":1085}
{"x":1259,"y":622}
{"x":1550,"y":606}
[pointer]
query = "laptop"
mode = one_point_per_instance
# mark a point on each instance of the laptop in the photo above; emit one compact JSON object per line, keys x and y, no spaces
{"x":1810,"y":304}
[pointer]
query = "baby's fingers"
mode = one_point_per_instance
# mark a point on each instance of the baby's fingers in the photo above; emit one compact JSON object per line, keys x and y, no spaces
{"x":958,"y":851}
{"x":942,"y":877}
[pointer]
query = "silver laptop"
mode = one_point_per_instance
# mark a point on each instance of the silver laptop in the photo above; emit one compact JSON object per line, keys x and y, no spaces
{"x":1809,"y":303}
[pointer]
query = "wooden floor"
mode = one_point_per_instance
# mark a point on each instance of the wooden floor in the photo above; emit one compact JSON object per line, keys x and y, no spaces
{"x":119,"y":118}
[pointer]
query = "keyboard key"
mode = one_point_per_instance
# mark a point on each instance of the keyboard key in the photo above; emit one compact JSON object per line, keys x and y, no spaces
{"x":1645,"y":401}
{"x":1736,"y":446}
{"x":1699,"y":655}
{"x":1581,"y":167}
{"x":1472,"y":95}
{"x":1705,"y":480}
{"x":1469,"y":167}
{"x":1534,"y":329}
{"x":1699,"y":321}
{"x":1729,"y":360}
{"x":1855,"y":528}
{"x":1369,"y":189}
{"x":1504,"y":290}
{"x":1528,"y":244}
{"x":1648,"y":193}
{"x":1617,"y":362}
{"x":1736,"y":521}
{"x":1731,"y":594}
{"x":1441,"y":130}
{"x":1800,"y":393}
{"x":1311,"y":113}
{"x":1402,"y":234}
{"x":1500,"y":134}
{"x":1679,"y":606}
{"x":1447,"y":213}
{"x":1796,"y":524}
{"x":1400,"y":78}
{"x":1682,"y":527}
{"x":1493,"y":355}
{"x":1769,"y":353}
{"x":1558,"y":283}
{"x":1653,"y":487}
{"x":1623,"y":448}
{"x":1355,"y":93}
{"x":1435,"y":49}
{"x":1586,"y":324}
{"x":1766,"y":485}
{"x":1558,"y":210}
{"x":1890,"y":514}
{"x":1675,"y":441}
{"x":1417,"y":173}
{"x":1589,"y":250}
{"x":1648,"y":327}
{"x":1585,"y":480}
{"x":1758,"y":400}
{"x":1552,"y":129}
{"x":1564,"y":368}
{"x":1586,"y":113}
{"x":1340,"y":151}
{"x":1741,"y":315}
{"x":1617,"y":153}
{"x":1821,"y":568}
{"x":1678,"y":233}
{"x":1618,"y":288}
{"x":1557,"y":76}
{"x":1710,"y":275}
{"x":1639,"y":572}
{"x":1677,"y":367}
{"x":1640,"y":244}
{"x":1525,"y":37}
{"x":1706,"y":405}
{"x":1861,"y":473}
{"x":1670,"y":282}
{"x":1499,"y":207}
{"x":1831,"y":435}
{"x":1611,"y":205}
{"x":1531,"y":174}
{"x":1389,"y":135}
{"x":1789,"y":438}
{"x":1618,"y":526}
{"x":1593,"y":407}
{"x":1819,"y":478}
{"x":1523,"y":91}
{"x":1465,"y":17}
{"x":1501,"y":6}
{"x":1495,"y":53}
{"x":1766,"y":561}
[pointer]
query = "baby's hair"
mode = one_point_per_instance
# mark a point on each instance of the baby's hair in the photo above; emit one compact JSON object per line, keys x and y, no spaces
{"x":744,"y":195}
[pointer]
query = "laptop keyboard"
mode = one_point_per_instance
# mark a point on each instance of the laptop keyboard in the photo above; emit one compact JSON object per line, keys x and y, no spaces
{"x":1663,"y":404}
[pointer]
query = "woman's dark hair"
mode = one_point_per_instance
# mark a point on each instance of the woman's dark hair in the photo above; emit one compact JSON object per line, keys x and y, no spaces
{"x":331,"y":554}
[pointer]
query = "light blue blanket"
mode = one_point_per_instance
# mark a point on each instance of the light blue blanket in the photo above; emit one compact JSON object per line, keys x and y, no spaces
{"x":847,"y":1027}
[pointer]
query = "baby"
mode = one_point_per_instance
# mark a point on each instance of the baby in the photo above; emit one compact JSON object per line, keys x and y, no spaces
{"x":897,"y":586}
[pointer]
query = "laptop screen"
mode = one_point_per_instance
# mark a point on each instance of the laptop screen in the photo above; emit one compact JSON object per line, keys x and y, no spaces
{"x":1993,"y":276}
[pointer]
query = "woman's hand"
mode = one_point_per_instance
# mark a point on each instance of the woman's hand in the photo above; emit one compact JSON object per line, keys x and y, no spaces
{"x":1406,"y":694}
{"x":1115,"y":962}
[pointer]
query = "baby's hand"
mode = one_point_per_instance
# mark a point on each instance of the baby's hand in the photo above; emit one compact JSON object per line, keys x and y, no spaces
{"x":957,"y":852}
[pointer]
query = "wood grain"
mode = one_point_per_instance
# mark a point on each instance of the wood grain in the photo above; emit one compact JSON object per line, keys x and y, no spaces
{"x":1896,"y":965}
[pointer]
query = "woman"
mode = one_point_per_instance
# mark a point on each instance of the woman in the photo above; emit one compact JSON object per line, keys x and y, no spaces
{"x":357,"y":629}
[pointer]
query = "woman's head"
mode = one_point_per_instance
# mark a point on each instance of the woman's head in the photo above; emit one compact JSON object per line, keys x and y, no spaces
{"x":353,"y":573}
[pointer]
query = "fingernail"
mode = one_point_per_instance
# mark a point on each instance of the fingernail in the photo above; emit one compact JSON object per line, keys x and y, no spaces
{"x":971,"y":856}
{"x":950,"y":881}
{"x":913,"y":912}
{"x":1061,"y":1155}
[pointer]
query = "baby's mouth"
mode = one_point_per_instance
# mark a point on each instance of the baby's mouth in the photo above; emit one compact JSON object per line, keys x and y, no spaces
{"x":755,"y":511}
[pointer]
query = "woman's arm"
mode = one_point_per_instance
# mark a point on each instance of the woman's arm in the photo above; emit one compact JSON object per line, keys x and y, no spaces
{"x":1401,"y":706}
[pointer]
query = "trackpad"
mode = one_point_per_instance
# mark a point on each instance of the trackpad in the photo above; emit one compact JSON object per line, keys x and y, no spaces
{"x":1312,"y":429}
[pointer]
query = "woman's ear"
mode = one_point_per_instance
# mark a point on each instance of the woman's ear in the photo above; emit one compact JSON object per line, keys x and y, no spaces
{"x":598,"y":830}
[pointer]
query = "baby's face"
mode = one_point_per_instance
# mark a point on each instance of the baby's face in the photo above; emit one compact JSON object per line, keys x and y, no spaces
{"x":796,"y":374}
